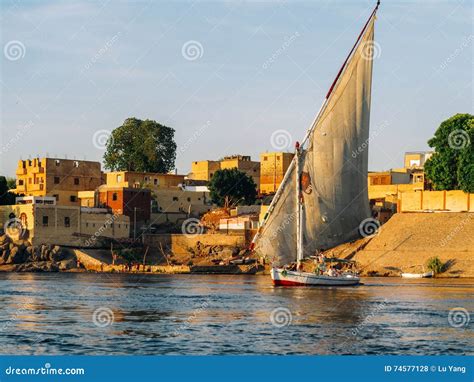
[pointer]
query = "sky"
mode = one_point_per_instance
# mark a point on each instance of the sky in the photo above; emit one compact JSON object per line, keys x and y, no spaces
{"x":230,"y":77}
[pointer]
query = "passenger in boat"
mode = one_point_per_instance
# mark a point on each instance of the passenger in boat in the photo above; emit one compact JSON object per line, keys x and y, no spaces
{"x":332,"y":272}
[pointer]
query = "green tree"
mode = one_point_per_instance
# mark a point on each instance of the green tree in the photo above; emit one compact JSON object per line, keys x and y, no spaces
{"x":452,"y":165}
{"x":230,"y":187}
{"x":6,"y":197}
{"x":11,"y":182}
{"x":144,"y":146}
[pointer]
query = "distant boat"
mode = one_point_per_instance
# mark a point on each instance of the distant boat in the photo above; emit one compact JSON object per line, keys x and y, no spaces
{"x":322,"y":200}
{"x":417,"y":275}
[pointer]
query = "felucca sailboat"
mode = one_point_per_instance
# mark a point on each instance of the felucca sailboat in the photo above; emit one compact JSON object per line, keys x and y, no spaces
{"x":323,"y":198}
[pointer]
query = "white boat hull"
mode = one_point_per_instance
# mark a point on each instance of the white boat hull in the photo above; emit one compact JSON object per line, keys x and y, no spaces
{"x":283,"y":277}
{"x":417,"y":275}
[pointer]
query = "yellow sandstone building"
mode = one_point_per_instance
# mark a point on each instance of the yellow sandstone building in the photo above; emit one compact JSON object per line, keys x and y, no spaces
{"x":60,"y":178}
{"x":204,"y":170}
{"x":273,"y":167}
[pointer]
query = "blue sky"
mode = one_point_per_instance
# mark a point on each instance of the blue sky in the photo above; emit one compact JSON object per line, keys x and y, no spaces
{"x":70,"y":70}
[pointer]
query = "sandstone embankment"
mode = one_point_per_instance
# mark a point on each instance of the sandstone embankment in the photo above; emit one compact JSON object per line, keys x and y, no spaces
{"x":408,"y":240}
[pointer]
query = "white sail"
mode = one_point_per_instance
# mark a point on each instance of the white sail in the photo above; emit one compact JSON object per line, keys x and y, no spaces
{"x":334,"y":180}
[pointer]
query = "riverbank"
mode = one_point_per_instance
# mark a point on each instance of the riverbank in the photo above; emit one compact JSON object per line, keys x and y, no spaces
{"x":404,"y":244}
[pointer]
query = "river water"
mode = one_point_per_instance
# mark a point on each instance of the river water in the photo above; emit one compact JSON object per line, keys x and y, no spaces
{"x":80,"y":313}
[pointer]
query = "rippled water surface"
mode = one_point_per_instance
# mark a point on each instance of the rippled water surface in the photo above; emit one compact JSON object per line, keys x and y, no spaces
{"x":194,"y":314}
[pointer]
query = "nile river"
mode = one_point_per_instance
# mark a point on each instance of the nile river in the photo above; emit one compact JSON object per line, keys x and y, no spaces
{"x":79,"y":313}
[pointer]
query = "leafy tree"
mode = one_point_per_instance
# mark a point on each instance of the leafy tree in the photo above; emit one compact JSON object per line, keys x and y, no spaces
{"x":11,"y":182}
{"x":6,"y":197}
{"x":230,"y":187}
{"x":144,"y":146}
{"x":452,"y":165}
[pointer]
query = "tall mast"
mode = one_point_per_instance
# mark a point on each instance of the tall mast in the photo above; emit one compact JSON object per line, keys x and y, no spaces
{"x":299,"y":209}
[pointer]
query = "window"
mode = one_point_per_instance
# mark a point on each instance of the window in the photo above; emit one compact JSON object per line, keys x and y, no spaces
{"x":175,"y":198}
{"x":20,"y":182}
{"x":45,"y":221}
{"x":93,"y":224}
{"x":155,"y":182}
{"x":265,"y":158}
{"x":56,"y":196}
{"x":210,"y":175}
{"x":67,"y":221}
{"x":146,"y":179}
{"x":57,"y":162}
{"x":189,"y":199}
{"x":114,"y":196}
{"x":73,"y":198}
{"x":76,"y":163}
{"x":29,"y":180}
{"x":119,"y":178}
{"x":76,"y":181}
{"x":119,"y":225}
{"x":56,"y":180}
{"x":87,"y":224}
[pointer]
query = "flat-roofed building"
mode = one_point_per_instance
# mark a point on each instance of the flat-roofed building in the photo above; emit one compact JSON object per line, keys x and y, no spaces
{"x":273,"y":167}
{"x":417,"y":159}
{"x":59,"y":178}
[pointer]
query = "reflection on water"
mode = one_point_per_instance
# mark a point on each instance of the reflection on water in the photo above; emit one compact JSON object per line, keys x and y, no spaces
{"x":183,"y":314}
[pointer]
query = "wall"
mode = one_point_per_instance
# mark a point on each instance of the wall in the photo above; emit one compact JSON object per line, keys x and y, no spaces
{"x":177,"y":200}
{"x":456,"y":201}
{"x":80,"y":228}
{"x":134,"y":179}
{"x":382,"y":191}
{"x":179,"y":244}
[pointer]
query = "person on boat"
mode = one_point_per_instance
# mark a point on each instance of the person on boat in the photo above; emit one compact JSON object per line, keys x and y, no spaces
{"x":332,"y":272}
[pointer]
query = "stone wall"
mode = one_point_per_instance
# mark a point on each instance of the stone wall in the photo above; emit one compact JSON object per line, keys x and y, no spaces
{"x":180,"y":244}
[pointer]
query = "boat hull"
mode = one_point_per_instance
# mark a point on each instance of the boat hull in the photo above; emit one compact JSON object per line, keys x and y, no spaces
{"x":417,"y":275}
{"x":282,"y":277}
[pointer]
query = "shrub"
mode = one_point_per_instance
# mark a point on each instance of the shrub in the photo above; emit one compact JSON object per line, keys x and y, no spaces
{"x":435,"y":264}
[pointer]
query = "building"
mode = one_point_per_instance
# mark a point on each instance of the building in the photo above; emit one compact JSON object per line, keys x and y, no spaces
{"x":143,"y":179}
{"x":417,"y":159}
{"x":135,"y":203}
{"x":401,"y":176}
{"x":59,"y":178}
{"x":273,"y":167}
{"x":62,"y":225}
{"x":243,"y":163}
{"x":203,"y":170}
